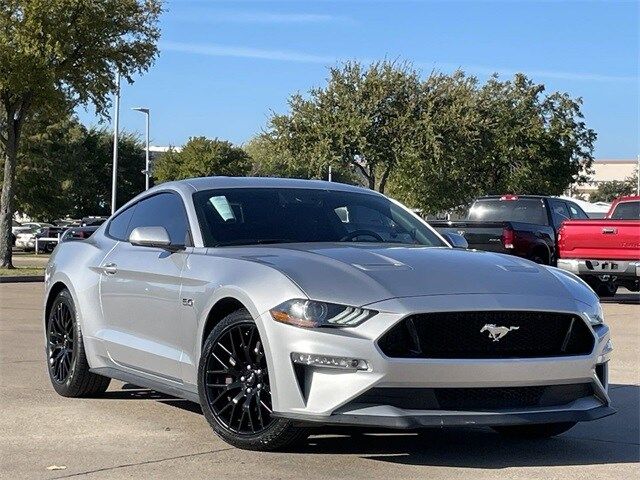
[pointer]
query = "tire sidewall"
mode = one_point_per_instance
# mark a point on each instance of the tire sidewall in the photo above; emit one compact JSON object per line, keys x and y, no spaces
{"x":64,"y":297}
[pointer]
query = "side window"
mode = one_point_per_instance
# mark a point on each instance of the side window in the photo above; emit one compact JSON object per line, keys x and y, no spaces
{"x":559,"y":212}
{"x":162,"y":210}
{"x":576,"y":211}
{"x":119,"y":226}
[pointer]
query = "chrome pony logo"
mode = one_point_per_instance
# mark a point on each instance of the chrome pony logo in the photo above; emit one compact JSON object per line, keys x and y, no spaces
{"x":496,"y":333}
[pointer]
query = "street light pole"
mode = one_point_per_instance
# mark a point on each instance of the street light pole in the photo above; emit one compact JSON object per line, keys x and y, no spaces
{"x":146,"y":171}
{"x":116,"y":122}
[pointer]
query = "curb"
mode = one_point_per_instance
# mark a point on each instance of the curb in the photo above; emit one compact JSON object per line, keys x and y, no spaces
{"x":22,"y":279}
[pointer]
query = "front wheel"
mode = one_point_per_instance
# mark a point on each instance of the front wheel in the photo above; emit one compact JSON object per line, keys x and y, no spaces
{"x":234,"y":385}
{"x":533,"y":431}
{"x":66,"y":360}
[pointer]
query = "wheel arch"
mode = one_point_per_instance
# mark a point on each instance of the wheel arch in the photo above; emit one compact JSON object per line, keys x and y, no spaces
{"x":53,"y":292}
{"x":219,"y":310}
{"x":543,"y":250}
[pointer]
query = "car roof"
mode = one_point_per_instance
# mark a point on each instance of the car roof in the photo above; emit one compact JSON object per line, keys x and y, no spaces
{"x":209,"y":183}
{"x":627,"y":198}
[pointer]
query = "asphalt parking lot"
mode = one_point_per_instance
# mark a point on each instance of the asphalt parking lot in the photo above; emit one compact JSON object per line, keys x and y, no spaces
{"x":136,"y":433}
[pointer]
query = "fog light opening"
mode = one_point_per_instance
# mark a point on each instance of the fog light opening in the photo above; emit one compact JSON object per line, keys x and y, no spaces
{"x":329,"y":361}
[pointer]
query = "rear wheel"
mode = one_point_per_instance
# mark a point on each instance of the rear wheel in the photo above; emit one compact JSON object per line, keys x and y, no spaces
{"x":533,"y":431}
{"x":235,"y":388}
{"x":66,"y":360}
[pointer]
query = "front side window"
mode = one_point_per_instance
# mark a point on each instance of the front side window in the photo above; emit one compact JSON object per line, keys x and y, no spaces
{"x":251,"y":216}
{"x":627,"y":211}
{"x":162,"y":210}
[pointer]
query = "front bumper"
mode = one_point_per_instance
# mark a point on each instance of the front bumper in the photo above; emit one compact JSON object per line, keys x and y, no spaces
{"x":601,"y":268}
{"x":381,"y":417}
{"x":331,"y":396}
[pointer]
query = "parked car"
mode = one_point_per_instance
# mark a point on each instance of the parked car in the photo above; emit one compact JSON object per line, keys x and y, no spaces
{"x":26,"y":238}
{"x":605,"y":253}
{"x":77,"y":233}
{"x":92,"y":221}
{"x":48,"y":238}
{"x":14,"y":230}
{"x":521,"y":225}
{"x":279,"y":304}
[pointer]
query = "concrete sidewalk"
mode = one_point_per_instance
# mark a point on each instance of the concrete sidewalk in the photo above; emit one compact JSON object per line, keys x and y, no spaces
{"x":136,"y":433}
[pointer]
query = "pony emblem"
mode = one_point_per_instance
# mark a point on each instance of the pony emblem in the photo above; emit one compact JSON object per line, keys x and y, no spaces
{"x":496,"y":333}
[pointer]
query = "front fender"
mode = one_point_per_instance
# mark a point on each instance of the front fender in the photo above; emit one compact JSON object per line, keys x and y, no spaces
{"x":208,"y":279}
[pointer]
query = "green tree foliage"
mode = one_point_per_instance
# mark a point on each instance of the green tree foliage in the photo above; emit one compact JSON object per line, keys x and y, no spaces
{"x":497,"y":138}
{"x":609,"y":191}
{"x":64,"y":52}
{"x":65,"y":170}
{"x":202,"y":157}
{"x":439,"y":142}
{"x":270,"y":159}
{"x":363,"y":121}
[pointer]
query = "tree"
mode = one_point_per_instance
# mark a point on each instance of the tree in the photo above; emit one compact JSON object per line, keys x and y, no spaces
{"x":435,"y":143}
{"x":497,"y":138}
{"x":270,"y":159}
{"x":65,"y":169}
{"x":609,"y":191}
{"x":202,"y":157}
{"x":364,"y":120}
{"x":64,"y":52}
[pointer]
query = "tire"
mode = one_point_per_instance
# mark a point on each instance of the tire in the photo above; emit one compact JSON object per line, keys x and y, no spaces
{"x":534,"y":431}
{"x":66,"y":359}
{"x":540,"y":258}
{"x":240,"y":419}
{"x":604,"y":289}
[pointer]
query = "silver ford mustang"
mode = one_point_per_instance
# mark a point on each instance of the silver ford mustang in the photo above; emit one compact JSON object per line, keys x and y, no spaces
{"x":282,"y":304}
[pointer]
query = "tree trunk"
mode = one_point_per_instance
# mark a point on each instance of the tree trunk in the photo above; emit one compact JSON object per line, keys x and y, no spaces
{"x":384,"y":178}
{"x":8,"y":186}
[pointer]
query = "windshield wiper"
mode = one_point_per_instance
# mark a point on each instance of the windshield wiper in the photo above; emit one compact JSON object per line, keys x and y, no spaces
{"x":253,"y":241}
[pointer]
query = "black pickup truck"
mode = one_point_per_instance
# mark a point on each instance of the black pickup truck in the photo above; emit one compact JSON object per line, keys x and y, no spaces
{"x":522,"y":225}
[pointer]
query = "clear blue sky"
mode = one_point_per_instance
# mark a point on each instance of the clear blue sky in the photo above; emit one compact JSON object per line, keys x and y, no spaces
{"x":225,"y":65}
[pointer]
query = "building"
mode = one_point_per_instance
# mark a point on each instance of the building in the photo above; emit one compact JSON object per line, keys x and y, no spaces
{"x":606,"y":171}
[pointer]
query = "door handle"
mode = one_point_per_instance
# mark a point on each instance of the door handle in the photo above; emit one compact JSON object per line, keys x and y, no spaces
{"x":110,"y":268}
{"x":609,"y":230}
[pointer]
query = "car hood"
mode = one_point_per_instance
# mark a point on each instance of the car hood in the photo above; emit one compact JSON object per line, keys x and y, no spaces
{"x":360,"y":274}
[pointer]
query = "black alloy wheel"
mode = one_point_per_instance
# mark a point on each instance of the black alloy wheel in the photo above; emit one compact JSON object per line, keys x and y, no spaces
{"x":67,"y":362}
{"x":61,"y":342}
{"x":234,"y":386}
{"x":237,"y":381}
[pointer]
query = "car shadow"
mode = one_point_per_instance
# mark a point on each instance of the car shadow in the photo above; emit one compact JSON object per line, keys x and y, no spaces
{"x":610,"y":440}
{"x":623,"y":297}
{"x":630,"y":298}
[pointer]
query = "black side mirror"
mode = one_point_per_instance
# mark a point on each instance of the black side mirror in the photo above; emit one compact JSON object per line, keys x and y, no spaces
{"x":456,"y":240}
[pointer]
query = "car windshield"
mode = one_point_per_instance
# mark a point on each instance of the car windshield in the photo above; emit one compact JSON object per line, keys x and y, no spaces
{"x":627,"y":211}
{"x":254,"y":216}
{"x":524,"y":210}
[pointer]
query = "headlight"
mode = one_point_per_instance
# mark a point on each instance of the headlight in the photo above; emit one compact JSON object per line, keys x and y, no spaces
{"x":311,"y":314}
{"x":595,"y":314}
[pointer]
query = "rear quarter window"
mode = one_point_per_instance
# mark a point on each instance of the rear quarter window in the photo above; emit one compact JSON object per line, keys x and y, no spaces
{"x":118,"y":228}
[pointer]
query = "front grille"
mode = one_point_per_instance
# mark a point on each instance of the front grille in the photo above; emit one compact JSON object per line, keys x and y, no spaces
{"x":473,"y":399}
{"x":460,"y":335}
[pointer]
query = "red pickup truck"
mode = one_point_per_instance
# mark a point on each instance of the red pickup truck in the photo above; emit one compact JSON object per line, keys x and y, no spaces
{"x":605,"y":253}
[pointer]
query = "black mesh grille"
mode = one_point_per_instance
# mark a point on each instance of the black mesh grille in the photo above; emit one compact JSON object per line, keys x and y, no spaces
{"x":474,"y":399}
{"x":459,"y":335}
